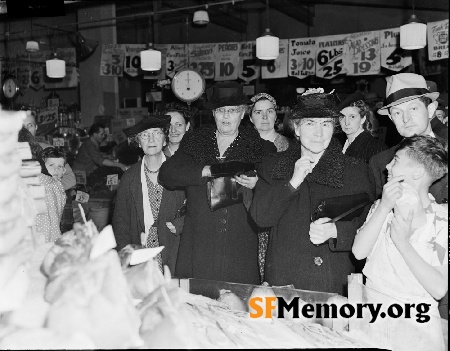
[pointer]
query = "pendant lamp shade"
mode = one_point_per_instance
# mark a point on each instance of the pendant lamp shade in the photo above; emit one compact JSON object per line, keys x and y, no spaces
{"x":201,"y":17}
{"x":32,"y":46}
{"x":55,"y":68}
{"x":86,"y":46}
{"x":413,"y":34}
{"x":150,"y":60}
{"x":267,"y":46}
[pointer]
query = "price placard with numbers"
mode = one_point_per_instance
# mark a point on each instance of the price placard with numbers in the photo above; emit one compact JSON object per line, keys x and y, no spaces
{"x":81,"y":196}
{"x":362,"y":53}
{"x":302,"y":57}
{"x":47,"y":116}
{"x":277,"y":68}
{"x":330,"y":56}
{"x":202,"y":58}
{"x":249,"y":69}
{"x":393,"y":57}
{"x":227,"y":61}
{"x":80,"y":177}
{"x":112,"y":179}
{"x":175,"y":58}
{"x":112,"y":60}
{"x":132,"y":58}
{"x":36,"y":77}
{"x":437,"y":40}
{"x":130,"y":122}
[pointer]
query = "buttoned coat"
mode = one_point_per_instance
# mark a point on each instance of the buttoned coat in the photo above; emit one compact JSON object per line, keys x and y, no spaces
{"x":365,"y":146}
{"x":128,"y":219}
{"x":220,"y":245}
{"x":291,"y":257}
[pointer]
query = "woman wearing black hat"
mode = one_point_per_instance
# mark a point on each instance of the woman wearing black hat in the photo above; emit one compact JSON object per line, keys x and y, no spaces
{"x":219,"y":239}
{"x":300,"y":190}
{"x":145,"y":210}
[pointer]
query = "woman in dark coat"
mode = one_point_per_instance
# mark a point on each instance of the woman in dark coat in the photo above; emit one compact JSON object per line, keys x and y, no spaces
{"x":292,"y":184}
{"x":360,"y":143}
{"x":220,"y":244}
{"x":146,"y":213}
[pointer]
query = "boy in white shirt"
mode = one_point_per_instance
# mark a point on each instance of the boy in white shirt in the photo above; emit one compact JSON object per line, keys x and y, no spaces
{"x":406,"y":245}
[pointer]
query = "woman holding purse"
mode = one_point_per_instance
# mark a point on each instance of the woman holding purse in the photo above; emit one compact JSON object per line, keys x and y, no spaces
{"x":295,"y":186}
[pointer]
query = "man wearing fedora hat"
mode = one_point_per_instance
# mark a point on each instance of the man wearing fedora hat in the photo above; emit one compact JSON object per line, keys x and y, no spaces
{"x":411,"y":105}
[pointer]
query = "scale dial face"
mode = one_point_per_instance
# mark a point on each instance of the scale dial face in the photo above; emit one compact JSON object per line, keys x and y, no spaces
{"x":10,"y":88}
{"x":188,"y":85}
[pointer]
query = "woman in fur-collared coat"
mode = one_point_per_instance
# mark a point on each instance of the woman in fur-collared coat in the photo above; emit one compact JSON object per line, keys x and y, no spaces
{"x":310,"y":255}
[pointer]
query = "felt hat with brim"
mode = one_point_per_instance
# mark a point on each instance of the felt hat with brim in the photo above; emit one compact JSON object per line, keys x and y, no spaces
{"x":316,"y":105}
{"x":227,"y":94}
{"x":404,"y":87}
{"x":152,"y":121}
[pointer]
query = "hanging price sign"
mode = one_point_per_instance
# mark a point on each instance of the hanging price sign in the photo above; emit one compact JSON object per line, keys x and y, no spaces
{"x":302,"y":57}
{"x":227,"y":61}
{"x":36,"y":77}
{"x":278,"y":67}
{"x":132,"y":58}
{"x":329,"y":56}
{"x":112,"y":179}
{"x":437,"y":35}
{"x":248,"y":69}
{"x":362,"y":53}
{"x":112,"y":60}
{"x":80,"y":177}
{"x":393,"y":57}
{"x":202,"y":58}
{"x":47,"y":116}
{"x":175,"y":58}
{"x":81,"y":196}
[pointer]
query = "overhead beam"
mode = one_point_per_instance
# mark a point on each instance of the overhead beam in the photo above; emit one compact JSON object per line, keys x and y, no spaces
{"x":295,"y":10}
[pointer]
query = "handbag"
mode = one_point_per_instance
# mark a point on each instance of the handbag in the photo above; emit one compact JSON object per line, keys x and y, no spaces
{"x":223,"y":192}
{"x":337,"y":207}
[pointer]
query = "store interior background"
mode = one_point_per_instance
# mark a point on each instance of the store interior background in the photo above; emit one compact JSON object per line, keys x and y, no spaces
{"x":240,"y":21}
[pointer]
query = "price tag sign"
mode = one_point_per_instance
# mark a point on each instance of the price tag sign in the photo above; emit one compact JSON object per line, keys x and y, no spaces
{"x":112,"y":179}
{"x":437,"y":40}
{"x":47,"y":116}
{"x":132,"y":63}
{"x":362,"y":53}
{"x":130,"y":122}
{"x":248,"y":68}
{"x":61,"y":142}
{"x":227,"y":61}
{"x":36,"y":79}
{"x":278,"y":67}
{"x":175,"y":58}
{"x":393,"y":57}
{"x":80,"y":177}
{"x":330,"y":55}
{"x":81,"y":196}
{"x":302,"y":57}
{"x":202,"y":58}
{"x":112,"y":60}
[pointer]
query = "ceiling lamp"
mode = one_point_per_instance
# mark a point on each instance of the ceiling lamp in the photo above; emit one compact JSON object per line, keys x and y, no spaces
{"x":201,"y":17}
{"x":267,"y":45}
{"x":55,"y":68}
{"x":150,"y":59}
{"x":86,"y":46}
{"x":413,"y":34}
{"x":32,"y":46}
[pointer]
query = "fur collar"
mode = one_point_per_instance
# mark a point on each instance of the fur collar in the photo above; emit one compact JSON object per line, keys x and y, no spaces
{"x":329,"y":170}
{"x":201,"y":144}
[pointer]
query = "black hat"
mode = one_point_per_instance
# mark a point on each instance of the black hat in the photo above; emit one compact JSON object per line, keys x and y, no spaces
{"x":314,"y":103}
{"x":152,"y":121}
{"x":228,"y":93}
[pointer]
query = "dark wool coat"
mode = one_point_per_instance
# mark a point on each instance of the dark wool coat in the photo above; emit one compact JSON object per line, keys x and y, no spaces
{"x":220,"y":245}
{"x":291,"y":256}
{"x":364,"y":147}
{"x":128,"y":219}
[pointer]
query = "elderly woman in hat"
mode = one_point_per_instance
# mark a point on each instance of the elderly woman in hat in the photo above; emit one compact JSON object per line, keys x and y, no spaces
{"x":146,"y":213}
{"x":219,"y":240}
{"x":359,"y":143}
{"x":297,"y":192}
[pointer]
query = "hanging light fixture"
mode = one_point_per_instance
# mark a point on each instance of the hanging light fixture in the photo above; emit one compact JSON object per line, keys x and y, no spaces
{"x":56,"y":68}
{"x":86,"y":46}
{"x":32,"y":45}
{"x":201,"y":17}
{"x":150,"y":59}
{"x":267,"y":45}
{"x":413,"y":34}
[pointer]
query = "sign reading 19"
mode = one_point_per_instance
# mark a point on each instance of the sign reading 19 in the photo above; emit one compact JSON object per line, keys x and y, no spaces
{"x":113,"y":68}
{"x":364,"y":65}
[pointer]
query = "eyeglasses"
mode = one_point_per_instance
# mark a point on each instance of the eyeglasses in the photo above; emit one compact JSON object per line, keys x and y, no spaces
{"x":155,"y":135}
{"x":232,"y":111}
{"x":31,"y":125}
